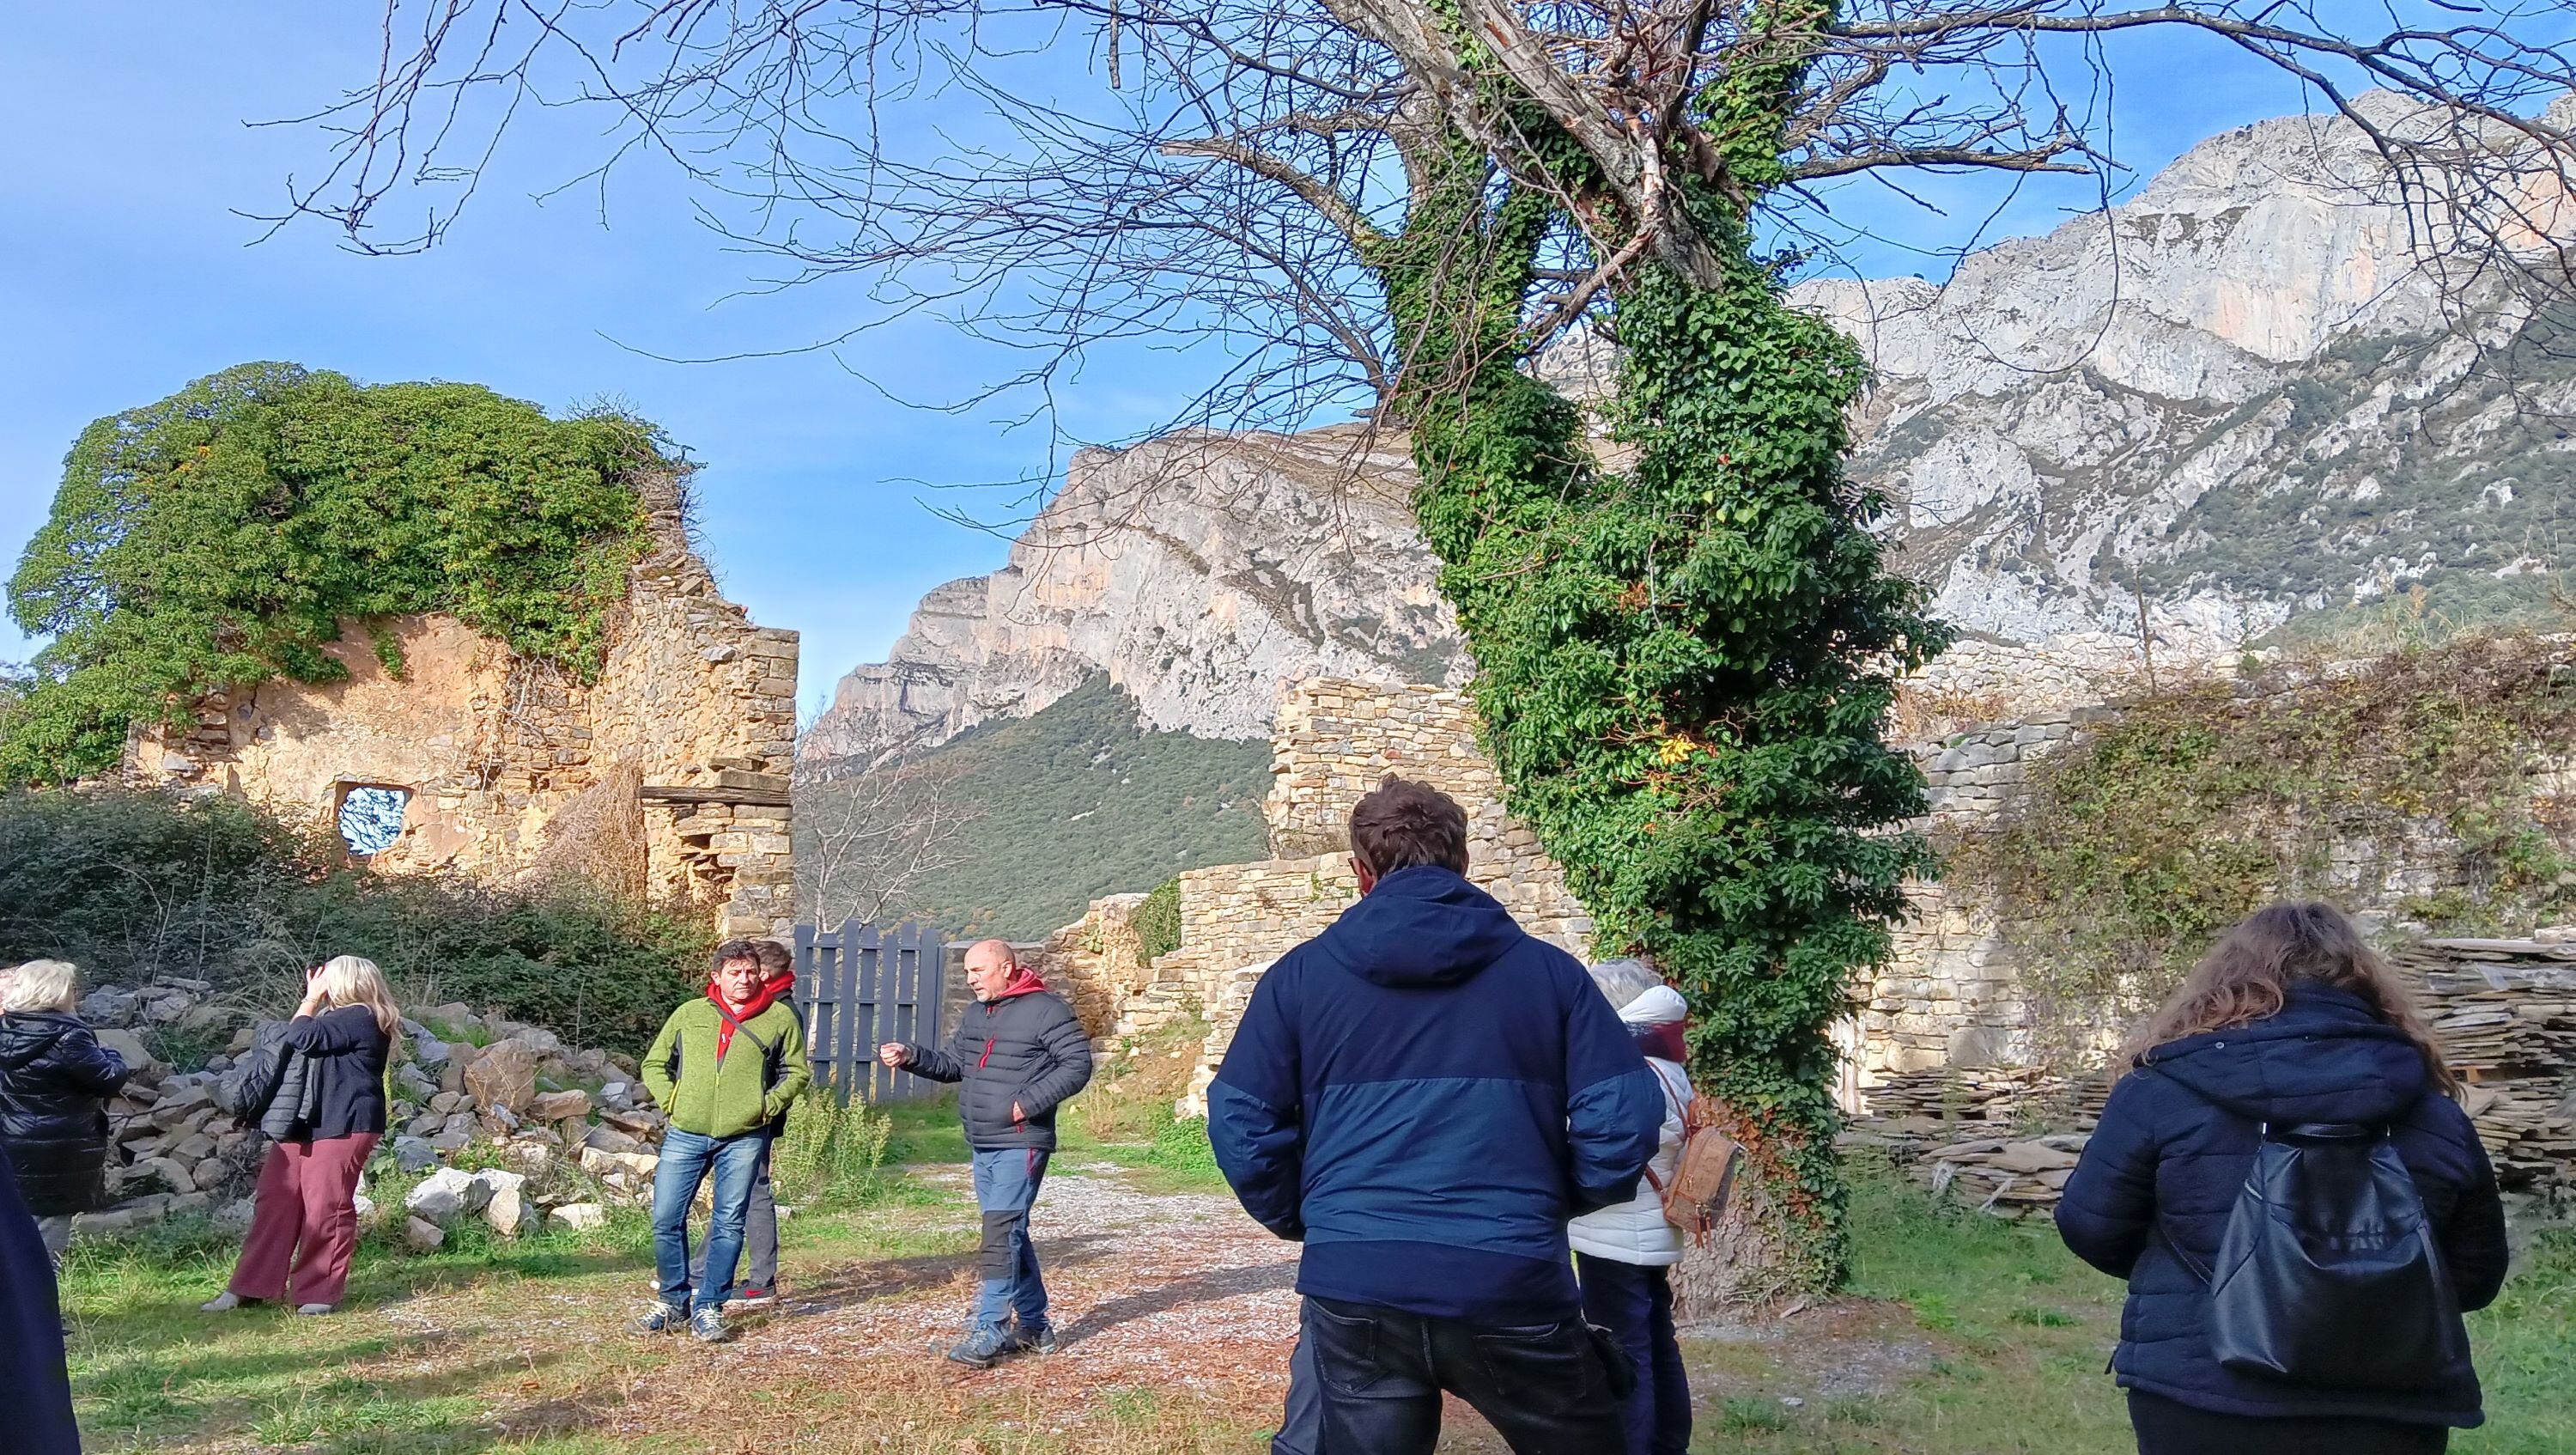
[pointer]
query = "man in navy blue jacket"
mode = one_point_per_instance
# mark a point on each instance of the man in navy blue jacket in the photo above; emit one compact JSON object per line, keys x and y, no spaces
{"x":1424,"y":1094}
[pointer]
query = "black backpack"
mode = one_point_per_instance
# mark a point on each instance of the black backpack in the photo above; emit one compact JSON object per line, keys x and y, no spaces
{"x":2328,"y":1274}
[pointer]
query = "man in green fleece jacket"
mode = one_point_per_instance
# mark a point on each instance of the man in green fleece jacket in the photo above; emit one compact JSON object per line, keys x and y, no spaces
{"x":724,"y":1067}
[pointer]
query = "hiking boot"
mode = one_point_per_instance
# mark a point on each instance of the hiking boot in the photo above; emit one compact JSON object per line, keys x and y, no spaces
{"x":1042,"y":1341}
{"x":665,"y":1318}
{"x":707,"y":1326}
{"x":754,"y":1297}
{"x":981,"y":1348}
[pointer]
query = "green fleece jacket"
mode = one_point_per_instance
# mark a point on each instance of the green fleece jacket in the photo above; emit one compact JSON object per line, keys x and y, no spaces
{"x":759,"y":1076}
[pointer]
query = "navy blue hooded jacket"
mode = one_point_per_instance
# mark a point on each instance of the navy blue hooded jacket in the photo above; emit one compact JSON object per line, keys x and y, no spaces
{"x":1424,"y":1094}
{"x":2176,"y":1143}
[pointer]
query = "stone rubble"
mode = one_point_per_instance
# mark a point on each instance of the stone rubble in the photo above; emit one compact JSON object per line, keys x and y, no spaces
{"x":576,"y":1127}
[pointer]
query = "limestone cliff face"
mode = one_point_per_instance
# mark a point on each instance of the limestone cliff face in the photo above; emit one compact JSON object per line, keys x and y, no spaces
{"x":2240,"y":395}
{"x":2237,"y":397}
{"x":1201,"y":573}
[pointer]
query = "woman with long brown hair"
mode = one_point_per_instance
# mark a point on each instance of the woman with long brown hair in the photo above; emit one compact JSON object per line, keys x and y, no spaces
{"x":2291,"y":1033}
{"x":304,"y":1216}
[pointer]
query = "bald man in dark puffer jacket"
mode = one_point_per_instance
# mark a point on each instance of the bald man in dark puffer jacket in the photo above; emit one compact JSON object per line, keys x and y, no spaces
{"x":1020,"y":1053}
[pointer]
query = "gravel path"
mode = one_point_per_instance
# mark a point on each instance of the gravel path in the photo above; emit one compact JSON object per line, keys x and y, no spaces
{"x":1149,"y":1290}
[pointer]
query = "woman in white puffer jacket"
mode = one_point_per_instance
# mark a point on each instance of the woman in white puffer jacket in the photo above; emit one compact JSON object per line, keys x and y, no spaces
{"x":1623,"y":1256}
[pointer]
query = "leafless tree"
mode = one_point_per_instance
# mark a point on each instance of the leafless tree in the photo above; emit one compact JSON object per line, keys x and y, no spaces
{"x":1221,"y":175}
{"x":868,"y":837}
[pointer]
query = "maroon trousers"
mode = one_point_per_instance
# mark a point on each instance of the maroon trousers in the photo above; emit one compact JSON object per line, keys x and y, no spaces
{"x":305,"y":1218}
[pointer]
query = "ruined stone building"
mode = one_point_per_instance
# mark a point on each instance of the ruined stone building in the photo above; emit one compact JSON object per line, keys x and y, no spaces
{"x":668,"y":776}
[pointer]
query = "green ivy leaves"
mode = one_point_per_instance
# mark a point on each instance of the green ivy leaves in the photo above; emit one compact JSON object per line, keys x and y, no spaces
{"x":221,"y":537}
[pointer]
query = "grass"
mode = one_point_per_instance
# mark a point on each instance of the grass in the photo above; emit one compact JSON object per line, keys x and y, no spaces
{"x":1964,"y":1336}
{"x":1970,"y":1336}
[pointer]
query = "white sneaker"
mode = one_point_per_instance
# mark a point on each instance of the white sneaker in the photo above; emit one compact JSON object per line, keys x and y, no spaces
{"x":223,"y":1303}
{"x":317,"y":1310}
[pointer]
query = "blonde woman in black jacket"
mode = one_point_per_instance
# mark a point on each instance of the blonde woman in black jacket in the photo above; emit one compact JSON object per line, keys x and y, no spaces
{"x":54,"y":1081}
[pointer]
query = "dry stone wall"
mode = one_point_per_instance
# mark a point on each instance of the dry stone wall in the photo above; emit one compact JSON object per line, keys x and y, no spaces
{"x":669,"y":775}
{"x":1336,"y":738}
{"x":1948,"y":1000}
{"x":1333,"y":740}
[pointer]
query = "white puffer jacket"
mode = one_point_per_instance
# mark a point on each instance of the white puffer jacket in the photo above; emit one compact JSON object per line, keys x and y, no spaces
{"x":1635,"y":1231}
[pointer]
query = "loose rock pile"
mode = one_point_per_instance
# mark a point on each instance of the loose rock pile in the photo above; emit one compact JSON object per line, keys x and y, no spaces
{"x":1967,"y":1132}
{"x":460,"y":1080}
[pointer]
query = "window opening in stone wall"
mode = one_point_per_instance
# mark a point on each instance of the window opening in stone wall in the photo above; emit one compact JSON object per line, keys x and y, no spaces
{"x":371,"y":817}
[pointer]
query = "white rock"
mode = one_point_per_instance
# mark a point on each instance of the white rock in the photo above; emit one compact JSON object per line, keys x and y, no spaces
{"x":423,"y":1236}
{"x":447,"y":1193}
{"x":580,"y":1216}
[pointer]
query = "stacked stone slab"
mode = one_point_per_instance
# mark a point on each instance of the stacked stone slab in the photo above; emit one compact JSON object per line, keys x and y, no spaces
{"x":689,"y":736}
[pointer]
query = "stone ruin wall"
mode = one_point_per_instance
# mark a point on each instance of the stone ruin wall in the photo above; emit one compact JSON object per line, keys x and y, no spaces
{"x":668,"y":776}
{"x":1333,"y":740}
{"x":1948,"y":996}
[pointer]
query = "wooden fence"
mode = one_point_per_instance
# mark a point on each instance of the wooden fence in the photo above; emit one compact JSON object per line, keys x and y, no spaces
{"x":861,"y":985}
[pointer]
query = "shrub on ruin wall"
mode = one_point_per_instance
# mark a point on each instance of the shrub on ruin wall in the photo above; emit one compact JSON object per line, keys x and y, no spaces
{"x":2138,"y":843}
{"x":1157,"y":921}
{"x":222,"y":536}
{"x":134,"y":886}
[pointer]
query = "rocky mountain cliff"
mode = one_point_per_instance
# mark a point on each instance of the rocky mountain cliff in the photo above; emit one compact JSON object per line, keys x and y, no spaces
{"x":2236,"y":398}
{"x":1198,"y":573}
{"x":2233,"y":400}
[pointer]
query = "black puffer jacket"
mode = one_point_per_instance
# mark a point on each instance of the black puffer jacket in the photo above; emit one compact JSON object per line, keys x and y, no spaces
{"x":1026,"y":1048}
{"x":2174,"y":1146}
{"x":54,"y":1077}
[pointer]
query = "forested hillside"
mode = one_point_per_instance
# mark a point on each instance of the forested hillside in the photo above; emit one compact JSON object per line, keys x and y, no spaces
{"x":1052,"y":811}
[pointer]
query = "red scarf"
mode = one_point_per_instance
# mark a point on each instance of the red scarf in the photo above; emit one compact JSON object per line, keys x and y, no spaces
{"x":769,"y":994}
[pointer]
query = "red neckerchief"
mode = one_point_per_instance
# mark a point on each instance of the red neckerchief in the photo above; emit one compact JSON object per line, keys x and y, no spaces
{"x":761,"y":1000}
{"x":1664,"y":1041}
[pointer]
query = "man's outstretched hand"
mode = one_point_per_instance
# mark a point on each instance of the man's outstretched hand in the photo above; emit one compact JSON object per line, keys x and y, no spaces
{"x":893,"y":1054}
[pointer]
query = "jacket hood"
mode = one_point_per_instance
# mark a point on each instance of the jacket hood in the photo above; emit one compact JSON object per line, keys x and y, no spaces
{"x":26,"y":1035}
{"x":2324,"y":1058}
{"x":1661,"y":1006}
{"x":1422,"y":926}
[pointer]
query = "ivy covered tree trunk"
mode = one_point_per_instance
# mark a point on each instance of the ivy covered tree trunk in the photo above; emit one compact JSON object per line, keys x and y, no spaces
{"x":1685,"y":665}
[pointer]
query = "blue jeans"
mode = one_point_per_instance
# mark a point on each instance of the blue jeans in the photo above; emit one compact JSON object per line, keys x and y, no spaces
{"x":1006,"y":1187}
{"x":687,"y":1160}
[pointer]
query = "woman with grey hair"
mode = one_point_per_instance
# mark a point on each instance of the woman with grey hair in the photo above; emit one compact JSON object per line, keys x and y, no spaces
{"x":1623,"y":1256}
{"x":54,"y":1081}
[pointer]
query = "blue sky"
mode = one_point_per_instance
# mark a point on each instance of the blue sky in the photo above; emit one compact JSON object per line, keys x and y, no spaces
{"x":125,"y":272}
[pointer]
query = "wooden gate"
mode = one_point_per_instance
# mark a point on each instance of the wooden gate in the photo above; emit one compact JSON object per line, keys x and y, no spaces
{"x":860,"y":986}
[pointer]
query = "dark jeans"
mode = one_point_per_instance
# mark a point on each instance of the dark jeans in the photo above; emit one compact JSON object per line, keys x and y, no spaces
{"x":2166,"y":1427}
{"x":1301,"y":1425}
{"x":1545,"y":1388}
{"x":687,"y":1160}
{"x":1635,"y":1304}
{"x":759,"y":1236}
